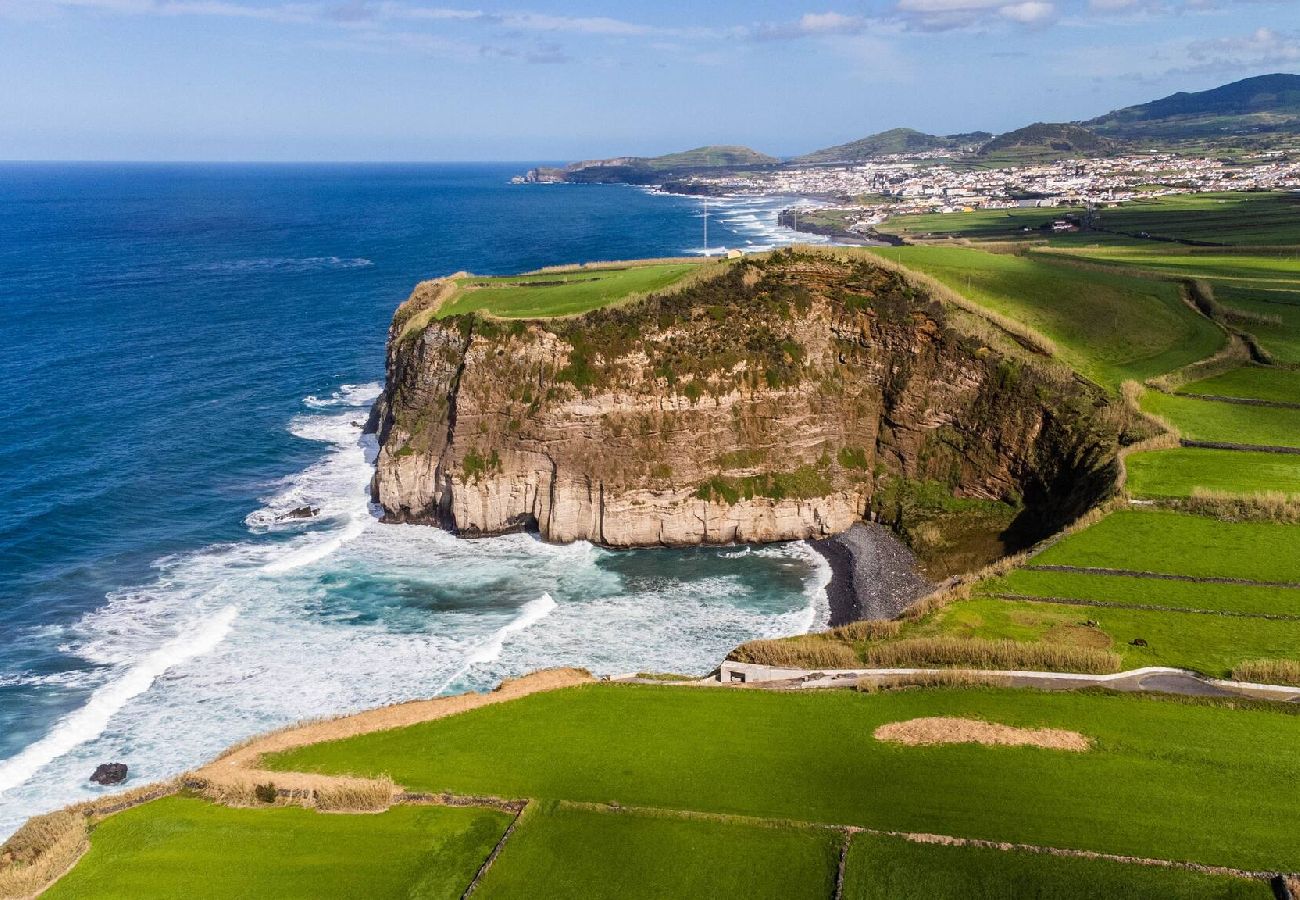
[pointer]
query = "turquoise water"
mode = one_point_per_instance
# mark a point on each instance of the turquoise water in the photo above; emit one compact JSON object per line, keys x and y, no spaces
{"x":188,"y":352}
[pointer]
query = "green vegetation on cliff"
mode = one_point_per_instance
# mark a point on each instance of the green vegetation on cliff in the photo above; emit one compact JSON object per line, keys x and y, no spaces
{"x":560,"y":292}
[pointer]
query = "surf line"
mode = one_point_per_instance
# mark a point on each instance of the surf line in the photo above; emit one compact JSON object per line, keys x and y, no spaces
{"x":91,"y":719}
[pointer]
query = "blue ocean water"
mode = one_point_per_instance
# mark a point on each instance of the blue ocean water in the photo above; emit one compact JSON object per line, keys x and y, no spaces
{"x":188,"y":352}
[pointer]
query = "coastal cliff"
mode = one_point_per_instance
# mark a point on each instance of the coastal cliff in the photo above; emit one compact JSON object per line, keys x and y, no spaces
{"x":778,"y":398}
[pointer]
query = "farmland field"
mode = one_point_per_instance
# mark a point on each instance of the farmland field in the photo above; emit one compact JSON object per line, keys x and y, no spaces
{"x":1123,"y":589}
{"x":1176,"y":473}
{"x":1110,"y":327}
{"x":812,"y":757}
{"x":1212,"y":420}
{"x":185,"y":847}
{"x":889,"y":868}
{"x":1176,"y":543}
{"x":1207,"y":643}
{"x":563,"y":851}
{"x":1251,"y":382}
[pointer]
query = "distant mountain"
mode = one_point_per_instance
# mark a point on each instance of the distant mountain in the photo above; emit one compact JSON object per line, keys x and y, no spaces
{"x":1267,"y":103}
{"x":1047,"y":140}
{"x":715,"y":156}
{"x":651,"y":169}
{"x":896,"y":140}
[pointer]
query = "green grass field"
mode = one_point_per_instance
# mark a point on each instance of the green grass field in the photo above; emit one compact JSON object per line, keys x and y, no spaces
{"x":1109,"y":327}
{"x":185,"y":847}
{"x":562,"y":851}
{"x":889,"y":868}
{"x":1176,"y":473}
{"x":812,"y":757}
{"x":1122,"y":589}
{"x":1263,"y":269}
{"x":1211,"y":420}
{"x":1207,"y":643}
{"x":1180,"y":544}
{"x":980,"y":224}
{"x":1251,"y":382}
{"x":1225,"y":218}
{"x":567,"y":292}
{"x":1246,"y":219}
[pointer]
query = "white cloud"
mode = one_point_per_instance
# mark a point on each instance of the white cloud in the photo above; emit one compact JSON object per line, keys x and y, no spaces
{"x":939,"y":15}
{"x":1030,"y":12}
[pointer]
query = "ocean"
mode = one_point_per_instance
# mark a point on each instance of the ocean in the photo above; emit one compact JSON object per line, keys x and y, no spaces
{"x":188,"y":352}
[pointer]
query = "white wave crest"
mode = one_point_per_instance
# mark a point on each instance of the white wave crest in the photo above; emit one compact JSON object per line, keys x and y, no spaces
{"x":347,"y":395}
{"x":530,"y":614}
{"x":89,"y":721}
{"x":286,"y":264}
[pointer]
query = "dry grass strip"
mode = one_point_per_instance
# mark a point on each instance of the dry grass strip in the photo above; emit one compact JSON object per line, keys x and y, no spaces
{"x":870,"y":684}
{"x":1268,"y":671}
{"x":811,"y":651}
{"x":997,"y":655}
{"x":931,"y":730}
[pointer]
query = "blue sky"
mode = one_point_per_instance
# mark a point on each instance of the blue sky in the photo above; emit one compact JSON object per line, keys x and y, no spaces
{"x":539,"y":80}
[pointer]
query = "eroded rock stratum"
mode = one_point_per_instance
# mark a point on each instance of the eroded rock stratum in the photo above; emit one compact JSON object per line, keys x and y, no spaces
{"x":779,"y":399}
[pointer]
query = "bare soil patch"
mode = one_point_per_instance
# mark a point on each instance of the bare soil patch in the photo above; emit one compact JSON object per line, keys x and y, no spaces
{"x":949,"y":730}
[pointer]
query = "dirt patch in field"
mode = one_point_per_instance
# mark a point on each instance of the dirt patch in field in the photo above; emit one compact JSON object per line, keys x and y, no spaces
{"x":948,"y":730}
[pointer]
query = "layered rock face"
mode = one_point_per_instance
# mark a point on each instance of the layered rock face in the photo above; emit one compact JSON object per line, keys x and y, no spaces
{"x":767,"y":403}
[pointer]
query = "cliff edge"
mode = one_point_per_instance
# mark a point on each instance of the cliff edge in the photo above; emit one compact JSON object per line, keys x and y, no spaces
{"x":775,"y":399}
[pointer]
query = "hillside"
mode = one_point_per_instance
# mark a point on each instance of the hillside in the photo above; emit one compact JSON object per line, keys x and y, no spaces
{"x":1046,"y":140}
{"x":648,"y":169}
{"x":896,"y":140}
{"x":1253,"y":105}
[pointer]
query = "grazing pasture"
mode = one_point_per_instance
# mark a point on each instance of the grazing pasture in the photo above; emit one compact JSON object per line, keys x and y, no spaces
{"x":1110,"y":327}
{"x":186,"y":847}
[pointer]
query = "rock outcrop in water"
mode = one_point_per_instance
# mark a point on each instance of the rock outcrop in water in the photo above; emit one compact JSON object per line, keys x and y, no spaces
{"x":771,"y":402}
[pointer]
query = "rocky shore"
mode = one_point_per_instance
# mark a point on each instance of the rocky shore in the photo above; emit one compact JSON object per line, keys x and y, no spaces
{"x":874,"y":574}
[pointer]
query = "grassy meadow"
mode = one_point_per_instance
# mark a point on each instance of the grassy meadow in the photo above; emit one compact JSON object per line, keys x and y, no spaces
{"x":1239,"y":219}
{"x":186,"y":847}
{"x":1180,"y":544}
{"x":1179,"y":472}
{"x":881,"y":867}
{"x":1110,"y":327}
{"x":1273,"y":317}
{"x":560,"y":850}
{"x":1252,"y":383}
{"x":1212,"y":420}
{"x":1208,"y":643}
{"x":812,"y":757}
{"x":564,"y":292}
{"x":1132,"y":591}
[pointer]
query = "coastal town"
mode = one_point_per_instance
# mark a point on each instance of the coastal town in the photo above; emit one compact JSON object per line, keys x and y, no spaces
{"x":866,"y":194}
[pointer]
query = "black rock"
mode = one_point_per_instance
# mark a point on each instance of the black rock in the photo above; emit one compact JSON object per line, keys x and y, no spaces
{"x":109,"y":773}
{"x":302,"y":512}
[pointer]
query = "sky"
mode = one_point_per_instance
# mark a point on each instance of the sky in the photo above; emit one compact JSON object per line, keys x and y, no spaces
{"x":534,"y":80}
